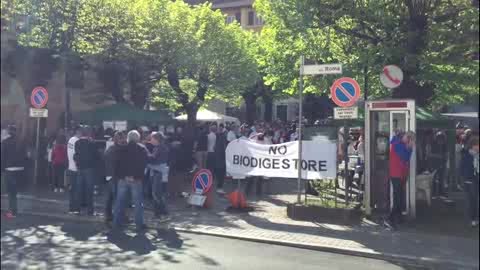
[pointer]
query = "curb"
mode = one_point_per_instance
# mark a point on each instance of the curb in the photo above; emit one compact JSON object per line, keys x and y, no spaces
{"x":402,"y":259}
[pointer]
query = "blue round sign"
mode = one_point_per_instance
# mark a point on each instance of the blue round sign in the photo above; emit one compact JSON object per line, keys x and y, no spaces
{"x":202,"y":181}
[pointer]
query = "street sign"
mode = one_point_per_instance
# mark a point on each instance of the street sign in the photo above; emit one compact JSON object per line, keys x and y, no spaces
{"x":345,"y":92}
{"x":197,"y":200}
{"x":39,"y":97}
{"x":345,"y":113}
{"x":202,"y":181}
{"x":322,"y":69}
{"x":38,"y":113}
{"x":391,"y":77}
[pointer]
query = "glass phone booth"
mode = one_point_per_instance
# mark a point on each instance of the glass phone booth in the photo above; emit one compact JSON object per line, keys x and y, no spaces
{"x":383,"y":118}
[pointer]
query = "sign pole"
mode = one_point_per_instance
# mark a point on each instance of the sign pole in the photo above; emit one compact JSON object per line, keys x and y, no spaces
{"x":38,"y":99}
{"x":37,"y":156}
{"x":345,"y":157}
{"x":300,"y":116}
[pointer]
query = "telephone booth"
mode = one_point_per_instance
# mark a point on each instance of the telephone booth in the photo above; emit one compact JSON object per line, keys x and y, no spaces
{"x":383,"y":118}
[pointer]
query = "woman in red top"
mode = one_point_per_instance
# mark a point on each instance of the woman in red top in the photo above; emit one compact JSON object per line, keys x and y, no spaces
{"x":59,"y":162}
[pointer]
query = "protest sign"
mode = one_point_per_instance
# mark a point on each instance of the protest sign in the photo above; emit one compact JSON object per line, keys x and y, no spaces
{"x":247,"y":158}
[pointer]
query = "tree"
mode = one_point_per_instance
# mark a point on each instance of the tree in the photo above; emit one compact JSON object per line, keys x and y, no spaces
{"x":201,"y":54}
{"x":92,"y":33}
{"x":432,"y":41}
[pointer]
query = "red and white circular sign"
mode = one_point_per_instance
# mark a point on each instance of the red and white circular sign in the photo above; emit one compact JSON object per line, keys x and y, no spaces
{"x":39,"y":97}
{"x":391,"y":76}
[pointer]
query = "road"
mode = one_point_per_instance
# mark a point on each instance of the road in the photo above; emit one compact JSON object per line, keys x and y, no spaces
{"x":34,"y":242}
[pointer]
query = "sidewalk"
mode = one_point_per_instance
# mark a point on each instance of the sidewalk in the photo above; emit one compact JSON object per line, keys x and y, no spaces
{"x":269,"y":223}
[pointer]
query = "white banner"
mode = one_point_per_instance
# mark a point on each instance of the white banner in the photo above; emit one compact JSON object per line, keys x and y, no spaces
{"x":247,"y":158}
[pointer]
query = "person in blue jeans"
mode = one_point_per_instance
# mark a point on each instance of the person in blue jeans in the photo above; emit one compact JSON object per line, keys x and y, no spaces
{"x":12,"y":162}
{"x":158,"y":164}
{"x":470,"y":172}
{"x":85,"y":159}
{"x":119,"y":141}
{"x":129,"y":167}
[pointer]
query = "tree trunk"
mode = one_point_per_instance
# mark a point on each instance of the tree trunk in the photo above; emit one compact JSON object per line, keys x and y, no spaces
{"x":268,"y":102}
{"x":191,"y":110}
{"x":110,"y":76}
{"x":138,"y":89}
{"x":415,"y":45}
{"x":250,"y":107}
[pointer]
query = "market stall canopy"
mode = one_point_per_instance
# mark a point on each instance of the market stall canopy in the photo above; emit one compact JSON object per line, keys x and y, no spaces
{"x":209,"y":116}
{"x":123,"y":112}
{"x":425,"y":119}
{"x":468,"y":118}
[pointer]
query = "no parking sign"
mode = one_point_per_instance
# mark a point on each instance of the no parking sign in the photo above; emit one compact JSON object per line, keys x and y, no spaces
{"x":202,"y":181}
{"x":345,"y":92}
{"x":39,"y":97}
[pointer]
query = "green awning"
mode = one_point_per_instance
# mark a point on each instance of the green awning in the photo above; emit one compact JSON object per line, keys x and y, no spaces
{"x":425,"y":119}
{"x":123,"y":112}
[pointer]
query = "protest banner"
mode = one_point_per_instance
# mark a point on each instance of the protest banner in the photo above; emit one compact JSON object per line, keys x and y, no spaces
{"x":247,"y":158}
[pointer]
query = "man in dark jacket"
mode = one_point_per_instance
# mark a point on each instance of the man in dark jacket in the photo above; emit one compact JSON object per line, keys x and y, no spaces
{"x":158,"y":164}
{"x":12,"y":163}
{"x":469,"y":170}
{"x":119,"y":141}
{"x":129,"y":168}
{"x":220,"y":170}
{"x":85,"y":158}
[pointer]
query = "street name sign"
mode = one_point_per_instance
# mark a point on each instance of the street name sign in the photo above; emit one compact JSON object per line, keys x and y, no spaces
{"x":345,"y":113}
{"x":322,"y":69}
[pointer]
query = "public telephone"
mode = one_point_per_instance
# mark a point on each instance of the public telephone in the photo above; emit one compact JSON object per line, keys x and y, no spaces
{"x":383,"y":120}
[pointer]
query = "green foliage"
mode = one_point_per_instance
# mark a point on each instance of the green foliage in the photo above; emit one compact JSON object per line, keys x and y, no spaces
{"x":188,"y":54}
{"x":432,"y":41}
{"x":201,"y":54}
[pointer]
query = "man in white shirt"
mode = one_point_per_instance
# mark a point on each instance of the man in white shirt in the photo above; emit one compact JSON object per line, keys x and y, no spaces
{"x":72,"y":171}
{"x":211,"y":141}
{"x":232,"y":134}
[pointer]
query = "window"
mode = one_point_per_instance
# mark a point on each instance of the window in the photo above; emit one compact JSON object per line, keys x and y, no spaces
{"x":231,"y":18}
{"x":254,"y":19}
{"x":258,"y":20}
{"x":238,"y":17}
{"x":251,"y":18}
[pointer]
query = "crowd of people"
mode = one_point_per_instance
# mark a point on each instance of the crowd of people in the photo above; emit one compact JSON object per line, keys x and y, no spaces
{"x":139,"y":165}
{"x":142,"y":165}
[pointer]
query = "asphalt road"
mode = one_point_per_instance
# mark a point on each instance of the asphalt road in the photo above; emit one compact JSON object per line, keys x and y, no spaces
{"x":34,"y":242}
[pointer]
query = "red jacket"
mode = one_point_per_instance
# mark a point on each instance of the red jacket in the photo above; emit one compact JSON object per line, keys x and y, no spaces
{"x":59,"y":154}
{"x":399,"y":159}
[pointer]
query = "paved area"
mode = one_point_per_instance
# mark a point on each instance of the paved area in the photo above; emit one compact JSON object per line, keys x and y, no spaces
{"x":269,"y":223}
{"x":33,"y":242}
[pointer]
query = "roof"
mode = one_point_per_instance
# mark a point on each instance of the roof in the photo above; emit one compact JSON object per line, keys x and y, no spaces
{"x":425,"y":119}
{"x":462,"y":114}
{"x":123,"y":112}
{"x":222,"y":3}
{"x":231,"y":3}
{"x":209,"y":116}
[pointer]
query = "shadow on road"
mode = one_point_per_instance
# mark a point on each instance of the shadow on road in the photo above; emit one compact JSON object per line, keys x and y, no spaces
{"x":52,"y":243}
